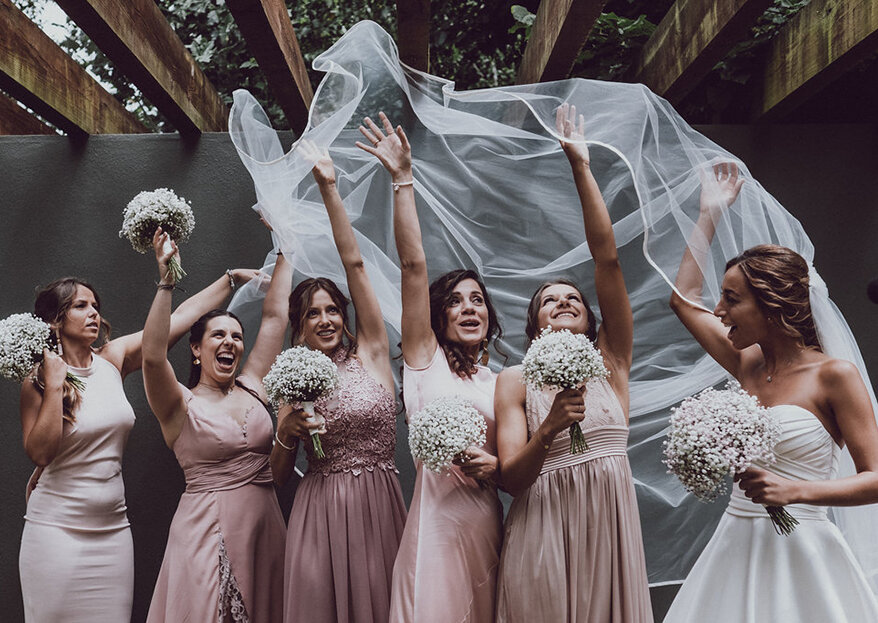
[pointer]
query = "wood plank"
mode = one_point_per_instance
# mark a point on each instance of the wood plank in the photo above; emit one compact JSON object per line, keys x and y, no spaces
{"x":140,"y":42}
{"x":270,"y":36}
{"x":823,"y":41}
{"x":559,"y":32}
{"x":36,"y":72}
{"x":693,"y":36}
{"x":16,"y":120}
{"x":413,"y":33}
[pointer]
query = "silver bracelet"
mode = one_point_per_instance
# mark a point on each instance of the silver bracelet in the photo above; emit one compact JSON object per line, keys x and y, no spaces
{"x":231,"y":279}
{"x":397,"y":185}
{"x":282,"y":444}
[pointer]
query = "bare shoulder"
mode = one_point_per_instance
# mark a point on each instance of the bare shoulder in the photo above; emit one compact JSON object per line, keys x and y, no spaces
{"x":511,"y":380}
{"x":837,"y":373}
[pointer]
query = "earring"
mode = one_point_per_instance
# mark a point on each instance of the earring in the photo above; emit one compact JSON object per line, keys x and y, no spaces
{"x":58,"y":342}
{"x":486,"y":356}
{"x":196,"y":361}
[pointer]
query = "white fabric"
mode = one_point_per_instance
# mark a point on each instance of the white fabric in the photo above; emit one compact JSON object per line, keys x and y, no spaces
{"x":495,"y":193}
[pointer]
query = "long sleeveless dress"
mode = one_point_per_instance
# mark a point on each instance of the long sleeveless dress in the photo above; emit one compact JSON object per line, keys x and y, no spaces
{"x":747,"y":573}
{"x":224,"y":558}
{"x":348,"y":513}
{"x":572,"y":549}
{"x":446,"y":569}
{"x":77,"y":557}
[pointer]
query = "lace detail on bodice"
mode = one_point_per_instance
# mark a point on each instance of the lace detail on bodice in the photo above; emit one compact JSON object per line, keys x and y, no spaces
{"x":231,"y":602}
{"x":602,"y":408}
{"x":360,"y":422}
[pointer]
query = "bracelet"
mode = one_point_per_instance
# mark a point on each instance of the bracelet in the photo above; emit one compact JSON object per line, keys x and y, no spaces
{"x":397,"y":185}
{"x":165,"y":286}
{"x":282,"y":444}
{"x":231,"y":279}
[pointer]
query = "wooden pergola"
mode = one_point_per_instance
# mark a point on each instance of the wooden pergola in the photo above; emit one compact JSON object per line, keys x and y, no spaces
{"x":821,"y":43}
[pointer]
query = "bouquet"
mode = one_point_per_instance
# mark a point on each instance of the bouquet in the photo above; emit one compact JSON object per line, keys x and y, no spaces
{"x":443,"y":429}
{"x":303,"y":375}
{"x":158,"y":208}
{"x":22,"y":340}
{"x":563,"y":360}
{"x":717,"y":433}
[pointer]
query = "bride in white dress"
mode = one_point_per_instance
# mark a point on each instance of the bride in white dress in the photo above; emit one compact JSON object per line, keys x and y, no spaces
{"x":763,"y":333}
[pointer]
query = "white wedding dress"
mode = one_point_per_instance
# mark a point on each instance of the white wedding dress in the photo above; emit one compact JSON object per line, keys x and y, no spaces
{"x":750,"y":574}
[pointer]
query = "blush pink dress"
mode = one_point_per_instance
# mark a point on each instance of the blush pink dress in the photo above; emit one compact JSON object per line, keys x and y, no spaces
{"x":348,"y":514}
{"x":573,"y":550}
{"x":446,"y":569}
{"x":224,"y":558}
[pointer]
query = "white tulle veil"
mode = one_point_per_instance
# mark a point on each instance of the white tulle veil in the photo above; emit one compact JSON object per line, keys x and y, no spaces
{"x":495,"y":193}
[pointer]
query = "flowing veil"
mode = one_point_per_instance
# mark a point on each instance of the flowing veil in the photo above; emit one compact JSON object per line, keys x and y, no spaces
{"x":495,"y":193}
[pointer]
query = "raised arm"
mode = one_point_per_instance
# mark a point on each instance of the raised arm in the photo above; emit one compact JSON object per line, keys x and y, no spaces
{"x":372,"y":346}
{"x":616,"y":332}
{"x":42,"y":421}
{"x":392,"y":148}
{"x":719,"y":189}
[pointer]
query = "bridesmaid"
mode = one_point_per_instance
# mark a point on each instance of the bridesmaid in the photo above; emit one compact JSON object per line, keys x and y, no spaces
{"x":447,"y":563}
{"x":77,"y":559}
{"x":224,"y":558}
{"x":763,"y":333}
{"x":348,"y":513}
{"x":572,"y":547}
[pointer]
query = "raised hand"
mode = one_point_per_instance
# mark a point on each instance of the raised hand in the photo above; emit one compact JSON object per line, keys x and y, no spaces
{"x":390,"y":146}
{"x":572,"y":128}
{"x":324,"y":170}
{"x":165,"y":249}
{"x":52,"y":370}
{"x":720,"y":186}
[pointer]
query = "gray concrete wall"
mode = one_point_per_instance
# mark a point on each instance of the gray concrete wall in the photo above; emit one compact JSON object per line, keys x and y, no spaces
{"x":62,"y":207}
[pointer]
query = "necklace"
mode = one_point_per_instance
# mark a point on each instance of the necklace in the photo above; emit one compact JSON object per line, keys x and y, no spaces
{"x":227,"y":392}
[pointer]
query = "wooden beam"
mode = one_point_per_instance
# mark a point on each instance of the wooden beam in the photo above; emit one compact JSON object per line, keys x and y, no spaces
{"x":137,"y":38}
{"x":413,"y":33}
{"x":269,"y":33}
{"x":559,"y":31}
{"x":823,"y":41}
{"x":16,"y":120}
{"x":693,"y":36}
{"x":36,"y":72}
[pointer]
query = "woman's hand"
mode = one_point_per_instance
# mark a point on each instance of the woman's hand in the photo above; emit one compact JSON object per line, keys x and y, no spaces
{"x":324,"y":170}
{"x":478,"y":464}
{"x":297,"y":424}
{"x":391,"y":147}
{"x":243,"y":275}
{"x":52,"y":370}
{"x":764,"y":487}
{"x":164,"y":254}
{"x":572,"y":128}
{"x":719,"y":187}
{"x":567,"y":408}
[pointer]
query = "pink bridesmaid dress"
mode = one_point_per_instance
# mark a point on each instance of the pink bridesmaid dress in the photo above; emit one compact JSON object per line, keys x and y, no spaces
{"x":224,"y":558}
{"x":446,"y":569}
{"x":348,"y":514}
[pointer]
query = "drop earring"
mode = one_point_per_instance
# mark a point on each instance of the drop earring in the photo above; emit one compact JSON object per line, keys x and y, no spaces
{"x":486,"y":356}
{"x":196,"y":361}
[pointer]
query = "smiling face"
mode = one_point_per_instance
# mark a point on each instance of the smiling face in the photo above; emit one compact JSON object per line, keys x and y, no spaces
{"x":562,"y":307}
{"x":466,"y":314}
{"x":82,"y":322}
{"x":739,"y":310}
{"x":323,"y":323}
{"x":220,"y":349}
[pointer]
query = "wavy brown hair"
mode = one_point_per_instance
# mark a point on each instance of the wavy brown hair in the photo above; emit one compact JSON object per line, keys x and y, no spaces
{"x":532,"y":327}
{"x":300,"y":302}
{"x":778,"y":277}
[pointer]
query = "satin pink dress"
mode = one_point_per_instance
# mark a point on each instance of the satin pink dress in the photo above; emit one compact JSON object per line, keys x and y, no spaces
{"x":348,"y":514}
{"x":446,"y":569}
{"x":573,"y":549}
{"x":224,"y":558}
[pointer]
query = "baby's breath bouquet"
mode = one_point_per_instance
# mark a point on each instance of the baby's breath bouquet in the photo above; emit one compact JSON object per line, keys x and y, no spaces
{"x":443,"y":429}
{"x":718,"y":433}
{"x":22,"y":340}
{"x":151,"y":209}
{"x":563,"y":360}
{"x":300,"y":374}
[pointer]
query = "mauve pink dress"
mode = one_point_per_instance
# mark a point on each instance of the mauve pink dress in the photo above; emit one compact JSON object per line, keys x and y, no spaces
{"x":348,"y":514}
{"x":224,"y":558}
{"x":446,"y":569}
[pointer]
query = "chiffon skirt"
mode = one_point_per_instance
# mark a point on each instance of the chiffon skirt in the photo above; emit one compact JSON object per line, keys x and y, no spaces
{"x":573,"y":550}
{"x":750,"y":574}
{"x":342,"y":539}
{"x":76,"y":576}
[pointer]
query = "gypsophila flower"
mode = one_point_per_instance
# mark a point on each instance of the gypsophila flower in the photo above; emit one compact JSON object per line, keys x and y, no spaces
{"x":157,"y":208}
{"x":563,"y":360}
{"x":22,"y":340}
{"x":443,"y":429}
{"x":718,"y":433}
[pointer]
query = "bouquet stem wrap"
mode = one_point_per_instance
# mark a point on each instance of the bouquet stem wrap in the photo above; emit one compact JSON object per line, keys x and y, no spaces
{"x":308,"y":407}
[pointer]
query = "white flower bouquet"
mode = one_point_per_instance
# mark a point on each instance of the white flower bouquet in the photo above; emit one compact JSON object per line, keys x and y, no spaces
{"x":303,"y":375}
{"x":158,"y":208}
{"x":718,"y":433}
{"x":443,"y":429}
{"x":22,"y":340}
{"x":563,"y":360}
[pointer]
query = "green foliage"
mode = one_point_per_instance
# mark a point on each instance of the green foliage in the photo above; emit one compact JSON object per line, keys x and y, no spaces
{"x":612,"y":47}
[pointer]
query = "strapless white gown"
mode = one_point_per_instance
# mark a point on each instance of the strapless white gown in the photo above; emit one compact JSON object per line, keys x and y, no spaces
{"x":750,"y":574}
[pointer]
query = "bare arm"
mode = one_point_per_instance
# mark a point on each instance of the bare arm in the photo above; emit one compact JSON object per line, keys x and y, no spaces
{"x":292,"y":425}
{"x":42,"y":423}
{"x":393,"y":150}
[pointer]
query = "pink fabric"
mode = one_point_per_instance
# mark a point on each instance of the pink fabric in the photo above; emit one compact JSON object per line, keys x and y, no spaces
{"x":224,"y":558}
{"x":573,"y":550}
{"x":349,"y":513}
{"x":446,"y":568}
